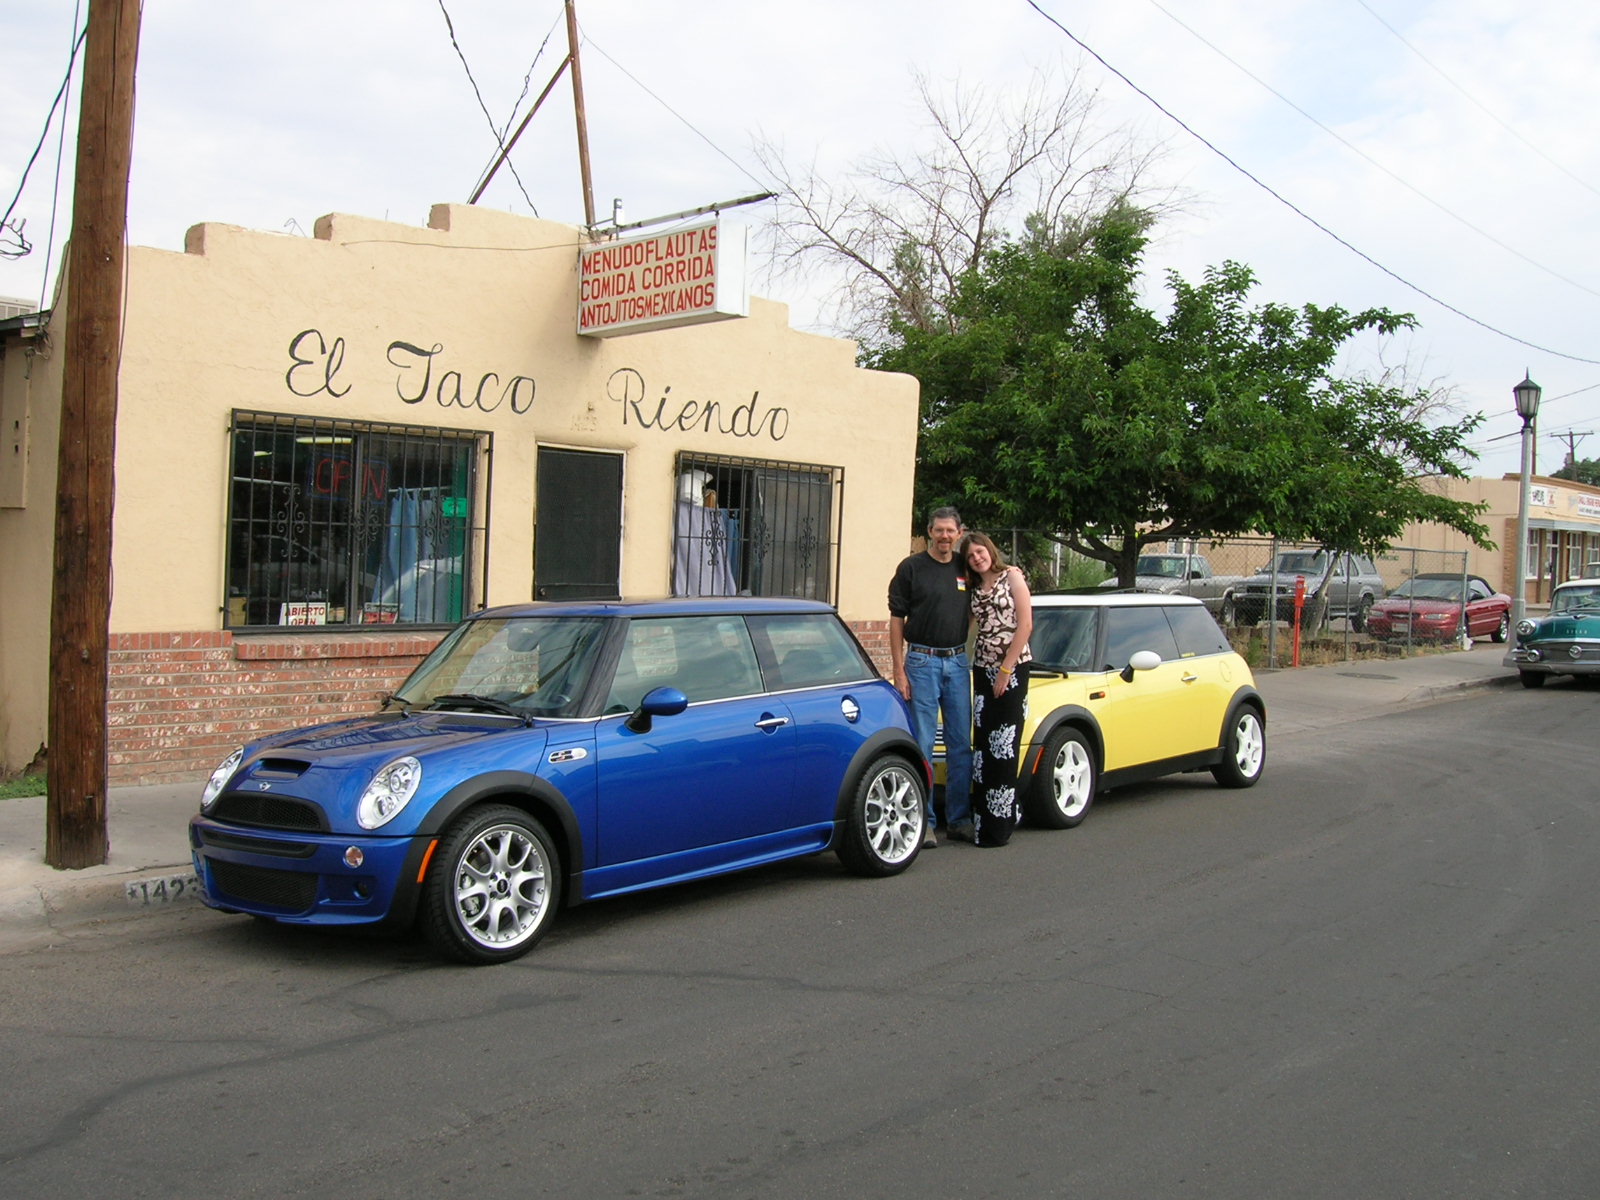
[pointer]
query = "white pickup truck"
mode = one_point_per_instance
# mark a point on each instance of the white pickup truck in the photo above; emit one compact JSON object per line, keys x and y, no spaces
{"x":1182,"y":575}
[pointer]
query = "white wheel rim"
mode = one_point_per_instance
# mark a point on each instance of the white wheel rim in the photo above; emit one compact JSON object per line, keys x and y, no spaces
{"x":1072,"y":775}
{"x":893,"y":815}
{"x":1250,"y":747}
{"x":502,"y":887}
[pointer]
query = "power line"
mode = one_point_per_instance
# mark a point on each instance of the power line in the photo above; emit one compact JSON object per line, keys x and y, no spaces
{"x":1292,"y":207}
{"x":1354,"y":149}
{"x":1490,"y":113}
{"x":6,"y":227}
{"x":450,"y":25}
{"x":764,"y":185}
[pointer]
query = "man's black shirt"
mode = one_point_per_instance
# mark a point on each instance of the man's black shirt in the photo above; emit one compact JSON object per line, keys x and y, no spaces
{"x":932,"y":598}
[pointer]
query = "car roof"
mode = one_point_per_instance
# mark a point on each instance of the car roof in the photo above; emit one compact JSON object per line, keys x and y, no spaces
{"x":1103,"y":599}
{"x":667,"y":606}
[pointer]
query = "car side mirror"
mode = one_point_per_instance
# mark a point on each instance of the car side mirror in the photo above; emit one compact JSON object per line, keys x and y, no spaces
{"x":1142,"y":660}
{"x":657,"y":702}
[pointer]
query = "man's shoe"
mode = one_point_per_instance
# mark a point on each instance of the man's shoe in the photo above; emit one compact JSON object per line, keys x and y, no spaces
{"x":959,"y":833}
{"x":930,"y":839}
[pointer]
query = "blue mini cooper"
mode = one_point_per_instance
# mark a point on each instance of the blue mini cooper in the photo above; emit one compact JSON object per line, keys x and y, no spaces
{"x":555,"y":753}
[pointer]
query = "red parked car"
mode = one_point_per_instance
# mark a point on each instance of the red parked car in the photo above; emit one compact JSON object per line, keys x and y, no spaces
{"x":1428,"y":608}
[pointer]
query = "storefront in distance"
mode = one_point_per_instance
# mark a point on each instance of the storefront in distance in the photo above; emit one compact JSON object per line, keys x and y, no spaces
{"x":329,"y":449}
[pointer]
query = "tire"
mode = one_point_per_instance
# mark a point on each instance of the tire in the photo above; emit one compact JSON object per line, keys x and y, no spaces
{"x":1532,"y":679}
{"x":1358,"y":619}
{"x":887,"y":819}
{"x":494,"y":887}
{"x":1503,"y":630}
{"x":1244,"y":750}
{"x":1228,"y":613}
{"x":1063,"y":785}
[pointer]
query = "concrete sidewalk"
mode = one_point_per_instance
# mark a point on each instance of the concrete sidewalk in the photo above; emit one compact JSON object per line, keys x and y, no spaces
{"x":149,"y":869}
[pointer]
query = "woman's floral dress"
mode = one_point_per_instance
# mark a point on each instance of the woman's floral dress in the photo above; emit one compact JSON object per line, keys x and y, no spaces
{"x":998,"y":720}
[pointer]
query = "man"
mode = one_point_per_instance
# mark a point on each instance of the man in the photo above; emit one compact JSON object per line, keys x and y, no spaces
{"x":928,"y":616}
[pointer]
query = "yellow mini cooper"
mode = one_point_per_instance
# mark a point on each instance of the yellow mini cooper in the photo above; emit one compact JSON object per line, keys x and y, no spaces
{"x":1126,"y":687}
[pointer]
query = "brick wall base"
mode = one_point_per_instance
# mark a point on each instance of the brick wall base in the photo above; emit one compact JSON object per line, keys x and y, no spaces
{"x":179,"y":703}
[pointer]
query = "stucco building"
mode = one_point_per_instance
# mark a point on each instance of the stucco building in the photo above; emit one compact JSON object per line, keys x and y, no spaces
{"x":1563,"y":532}
{"x":330,"y":448}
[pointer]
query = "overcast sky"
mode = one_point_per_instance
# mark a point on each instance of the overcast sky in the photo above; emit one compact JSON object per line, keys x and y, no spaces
{"x":1449,"y":141}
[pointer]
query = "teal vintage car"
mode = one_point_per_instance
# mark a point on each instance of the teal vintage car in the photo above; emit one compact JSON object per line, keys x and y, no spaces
{"x":1567,"y":642}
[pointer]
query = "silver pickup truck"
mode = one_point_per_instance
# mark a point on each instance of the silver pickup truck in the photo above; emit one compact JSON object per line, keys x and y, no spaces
{"x":1182,"y":575}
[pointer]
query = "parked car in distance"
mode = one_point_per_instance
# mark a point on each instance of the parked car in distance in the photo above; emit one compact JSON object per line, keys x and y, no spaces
{"x":1126,"y":687}
{"x":1181,"y":575}
{"x":1566,"y":642}
{"x":1353,"y":588}
{"x":1428,"y":608}
{"x":547,"y":754}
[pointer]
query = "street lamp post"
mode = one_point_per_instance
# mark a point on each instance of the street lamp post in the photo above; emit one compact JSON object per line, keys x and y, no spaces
{"x":1527,"y":395}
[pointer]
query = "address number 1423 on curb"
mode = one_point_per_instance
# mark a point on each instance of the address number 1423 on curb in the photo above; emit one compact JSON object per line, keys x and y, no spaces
{"x":162,"y":889}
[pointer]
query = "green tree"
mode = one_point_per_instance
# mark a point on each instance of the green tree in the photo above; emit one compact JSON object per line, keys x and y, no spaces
{"x":1054,"y":399}
{"x":1582,"y":470}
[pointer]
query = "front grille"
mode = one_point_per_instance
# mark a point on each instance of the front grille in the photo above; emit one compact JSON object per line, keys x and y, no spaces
{"x":294,"y":891}
{"x":266,"y":811}
{"x":256,"y":845}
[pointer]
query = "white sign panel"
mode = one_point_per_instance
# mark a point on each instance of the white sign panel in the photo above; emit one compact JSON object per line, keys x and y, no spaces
{"x":656,"y":282}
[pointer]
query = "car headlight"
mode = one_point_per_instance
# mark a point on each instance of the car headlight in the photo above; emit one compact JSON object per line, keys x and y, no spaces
{"x":1525,"y":627}
{"x":219,"y":779}
{"x":390,"y":791}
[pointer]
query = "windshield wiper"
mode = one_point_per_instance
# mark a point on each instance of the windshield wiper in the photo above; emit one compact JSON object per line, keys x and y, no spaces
{"x":481,"y":703}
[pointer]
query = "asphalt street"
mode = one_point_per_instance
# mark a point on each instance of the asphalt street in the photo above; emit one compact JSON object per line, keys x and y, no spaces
{"x":1369,"y":975}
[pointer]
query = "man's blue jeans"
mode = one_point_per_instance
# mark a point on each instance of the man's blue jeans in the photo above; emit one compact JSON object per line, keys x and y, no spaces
{"x":945,"y":684}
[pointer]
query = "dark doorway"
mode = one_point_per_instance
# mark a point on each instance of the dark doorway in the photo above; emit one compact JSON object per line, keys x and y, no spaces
{"x":577,"y":541}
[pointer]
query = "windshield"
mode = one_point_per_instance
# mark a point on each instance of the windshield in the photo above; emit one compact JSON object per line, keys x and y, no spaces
{"x":1299,"y":562}
{"x":1568,"y":599}
{"x":1429,"y":589}
{"x":1167,"y":565}
{"x":533,"y":666}
{"x":1064,"y":637}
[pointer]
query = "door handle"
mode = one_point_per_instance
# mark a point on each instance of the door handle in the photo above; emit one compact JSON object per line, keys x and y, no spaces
{"x":770,"y":723}
{"x":1189,"y":678}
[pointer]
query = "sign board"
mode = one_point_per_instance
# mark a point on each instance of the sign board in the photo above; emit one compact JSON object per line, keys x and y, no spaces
{"x":1588,"y":506}
{"x":308,"y":612}
{"x":662,"y":280}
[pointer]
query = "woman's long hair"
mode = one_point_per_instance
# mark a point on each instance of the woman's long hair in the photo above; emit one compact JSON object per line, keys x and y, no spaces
{"x":974,"y":538}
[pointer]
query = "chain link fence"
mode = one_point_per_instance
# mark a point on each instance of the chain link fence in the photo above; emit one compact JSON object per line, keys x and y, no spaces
{"x":1282,"y":602}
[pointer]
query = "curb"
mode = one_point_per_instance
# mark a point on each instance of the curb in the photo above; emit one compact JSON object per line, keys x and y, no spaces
{"x":36,"y":913}
{"x":1443,"y":691}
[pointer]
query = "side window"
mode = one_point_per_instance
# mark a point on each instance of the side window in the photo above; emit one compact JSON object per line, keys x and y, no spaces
{"x":808,"y":650}
{"x":1196,"y":632}
{"x":706,"y":658}
{"x":1478,"y":590}
{"x":1129,"y":630}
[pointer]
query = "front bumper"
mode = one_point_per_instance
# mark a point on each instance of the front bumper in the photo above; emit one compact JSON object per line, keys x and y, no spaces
{"x":1555,"y":658}
{"x":304,"y":878}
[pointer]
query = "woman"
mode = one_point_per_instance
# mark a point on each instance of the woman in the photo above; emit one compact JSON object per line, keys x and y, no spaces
{"x":1002,"y":613}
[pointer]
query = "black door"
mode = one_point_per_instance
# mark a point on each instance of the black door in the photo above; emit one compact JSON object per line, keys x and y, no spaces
{"x":577,"y":541}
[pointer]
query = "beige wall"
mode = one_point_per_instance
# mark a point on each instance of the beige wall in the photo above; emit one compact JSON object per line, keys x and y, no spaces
{"x":211,"y":329}
{"x":30,"y":399}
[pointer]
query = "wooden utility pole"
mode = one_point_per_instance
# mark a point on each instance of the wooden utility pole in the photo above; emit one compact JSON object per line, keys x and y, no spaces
{"x":582,"y":115}
{"x":80,"y":612}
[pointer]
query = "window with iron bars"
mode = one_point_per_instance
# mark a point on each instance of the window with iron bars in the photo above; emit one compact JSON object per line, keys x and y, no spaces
{"x":756,"y":527}
{"x":351,"y":522}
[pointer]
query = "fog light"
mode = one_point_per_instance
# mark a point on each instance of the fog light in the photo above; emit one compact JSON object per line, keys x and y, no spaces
{"x":353,"y":857}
